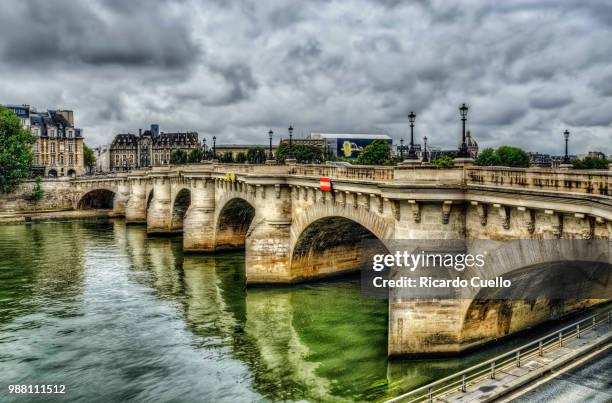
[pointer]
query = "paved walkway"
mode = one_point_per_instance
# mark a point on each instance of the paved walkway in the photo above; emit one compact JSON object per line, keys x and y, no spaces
{"x":591,"y":382}
{"x":531,"y":368}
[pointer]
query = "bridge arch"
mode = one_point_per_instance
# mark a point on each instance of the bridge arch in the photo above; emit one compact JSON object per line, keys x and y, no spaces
{"x":180,"y":204}
{"x":550,"y":279}
{"x":232,"y":222}
{"x":333,"y":240}
{"x":98,"y":198}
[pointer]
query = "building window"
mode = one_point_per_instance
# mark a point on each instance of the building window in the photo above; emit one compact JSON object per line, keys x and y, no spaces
{"x":70,"y":159}
{"x":69,"y":147}
{"x":69,"y":134}
{"x":52,"y":147}
{"x":61,"y":160}
{"x":52,"y":159}
{"x":51,"y":133}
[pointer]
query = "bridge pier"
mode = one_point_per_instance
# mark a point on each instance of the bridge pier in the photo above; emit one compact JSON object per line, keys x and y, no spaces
{"x":268,"y":240}
{"x":121,"y":198}
{"x":159,"y":215}
{"x":136,"y":208}
{"x":199,"y":225}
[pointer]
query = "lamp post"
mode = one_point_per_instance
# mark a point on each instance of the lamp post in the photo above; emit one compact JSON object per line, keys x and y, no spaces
{"x":566,"y":135}
{"x":401,"y":148}
{"x":270,"y":134}
{"x":411,"y":151}
{"x":214,"y":147}
{"x":425,"y":158}
{"x":204,"y":148}
{"x":290,"y":158}
{"x":463,"y":151}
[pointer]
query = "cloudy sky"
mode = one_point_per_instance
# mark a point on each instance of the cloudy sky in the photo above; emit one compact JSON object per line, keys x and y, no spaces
{"x":234,"y":69}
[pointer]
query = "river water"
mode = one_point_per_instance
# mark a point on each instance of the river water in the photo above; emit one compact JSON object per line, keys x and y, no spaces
{"x":115,"y":315}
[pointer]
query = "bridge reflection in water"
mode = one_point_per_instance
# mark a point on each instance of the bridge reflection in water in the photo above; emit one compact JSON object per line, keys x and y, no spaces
{"x":320,"y":341}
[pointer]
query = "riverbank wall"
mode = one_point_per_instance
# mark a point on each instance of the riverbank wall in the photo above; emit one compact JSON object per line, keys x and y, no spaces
{"x":57,"y":196}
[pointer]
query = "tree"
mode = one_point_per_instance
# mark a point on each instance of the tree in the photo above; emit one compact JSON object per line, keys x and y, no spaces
{"x":89,"y":159}
{"x":38,"y":192}
{"x":241,"y":157}
{"x":591,"y":163}
{"x":505,"y":156}
{"x":227,"y":157}
{"x":376,"y":153}
{"x":15,"y":151}
{"x":303,"y":153}
{"x":178,"y":156}
{"x":487,"y":158}
{"x":256,"y":155}
{"x":444,"y":161}
{"x":196,"y":155}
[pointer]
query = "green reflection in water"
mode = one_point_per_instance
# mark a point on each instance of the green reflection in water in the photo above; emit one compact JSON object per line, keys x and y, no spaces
{"x":116,"y":315}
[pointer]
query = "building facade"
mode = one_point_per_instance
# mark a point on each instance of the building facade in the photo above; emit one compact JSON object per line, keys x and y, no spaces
{"x":102,"y":154}
{"x":148,"y":148}
{"x":58,"y":149}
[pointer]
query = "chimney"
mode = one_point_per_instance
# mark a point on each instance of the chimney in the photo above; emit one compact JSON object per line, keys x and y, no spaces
{"x":140,"y":132}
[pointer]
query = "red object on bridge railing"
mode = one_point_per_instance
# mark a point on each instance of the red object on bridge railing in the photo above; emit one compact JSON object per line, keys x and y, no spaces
{"x":325,"y":184}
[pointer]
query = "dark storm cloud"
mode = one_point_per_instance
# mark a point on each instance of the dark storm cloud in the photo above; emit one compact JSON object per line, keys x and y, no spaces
{"x":235,"y":69}
{"x":130,"y":34}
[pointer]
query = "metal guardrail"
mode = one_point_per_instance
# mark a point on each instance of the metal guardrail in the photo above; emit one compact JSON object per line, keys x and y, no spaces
{"x":488,"y":369}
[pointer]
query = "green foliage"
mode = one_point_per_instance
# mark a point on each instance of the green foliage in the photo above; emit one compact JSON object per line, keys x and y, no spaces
{"x":88,"y":157}
{"x":591,"y":163}
{"x":196,"y":155}
{"x":227,"y":158}
{"x":38,"y":192}
{"x":241,"y":157}
{"x":505,"y":156}
{"x":444,"y":161}
{"x":376,"y":153}
{"x":15,"y":151}
{"x":303,"y":153}
{"x":256,"y":155}
{"x":178,"y":156}
{"x":488,"y":157}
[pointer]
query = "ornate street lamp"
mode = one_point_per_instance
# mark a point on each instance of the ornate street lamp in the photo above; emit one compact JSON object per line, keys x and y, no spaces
{"x":290,"y":154}
{"x":411,"y":151}
{"x":401,"y":148}
{"x":566,"y":159}
{"x":204,"y":148}
{"x":425,"y":158}
{"x":463,"y":150}
{"x":214,"y":147}
{"x":270,"y":134}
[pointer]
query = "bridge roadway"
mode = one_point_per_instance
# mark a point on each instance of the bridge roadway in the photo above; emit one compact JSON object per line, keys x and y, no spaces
{"x":293,"y":231}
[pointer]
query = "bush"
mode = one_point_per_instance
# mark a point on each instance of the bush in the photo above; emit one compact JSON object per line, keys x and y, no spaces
{"x":38,"y":192}
{"x":256,"y":155}
{"x":178,"y":157}
{"x":196,"y":155}
{"x":445,"y":161}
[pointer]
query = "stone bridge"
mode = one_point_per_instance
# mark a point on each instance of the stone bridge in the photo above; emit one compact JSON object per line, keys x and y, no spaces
{"x":293,"y":231}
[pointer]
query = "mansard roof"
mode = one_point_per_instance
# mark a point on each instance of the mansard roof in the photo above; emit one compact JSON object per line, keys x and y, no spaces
{"x":123,"y":139}
{"x":176,"y":138}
